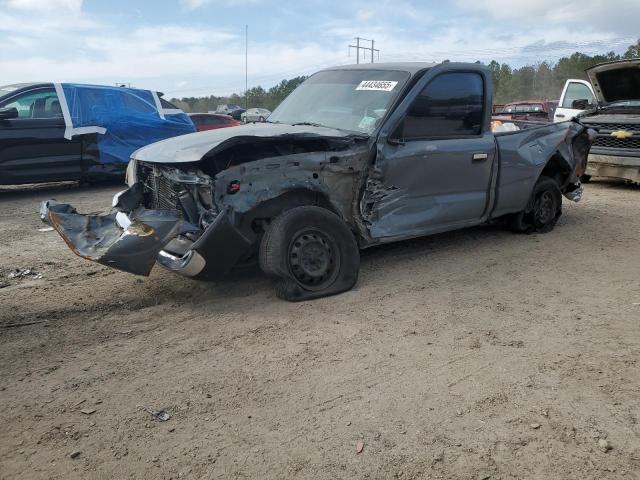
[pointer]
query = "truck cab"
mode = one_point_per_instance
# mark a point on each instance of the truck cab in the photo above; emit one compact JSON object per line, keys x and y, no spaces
{"x":577,"y":96}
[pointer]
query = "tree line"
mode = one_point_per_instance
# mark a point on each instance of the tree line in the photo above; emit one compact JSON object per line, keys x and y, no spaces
{"x":257,"y":97}
{"x":544,"y":80}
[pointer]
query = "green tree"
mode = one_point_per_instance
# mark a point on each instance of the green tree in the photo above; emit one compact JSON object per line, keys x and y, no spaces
{"x":633,"y":51}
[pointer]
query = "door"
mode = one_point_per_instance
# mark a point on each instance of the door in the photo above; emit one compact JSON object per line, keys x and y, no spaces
{"x":32,"y":146}
{"x":435,"y":168}
{"x":574,"y":90}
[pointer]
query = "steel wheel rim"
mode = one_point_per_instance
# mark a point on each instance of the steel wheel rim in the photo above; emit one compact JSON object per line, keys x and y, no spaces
{"x":314,"y":259}
{"x":545,"y":208}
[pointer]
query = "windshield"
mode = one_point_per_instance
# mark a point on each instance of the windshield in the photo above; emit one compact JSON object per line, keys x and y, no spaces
{"x":625,"y":103}
{"x":353,"y":100}
{"x":6,"y":89}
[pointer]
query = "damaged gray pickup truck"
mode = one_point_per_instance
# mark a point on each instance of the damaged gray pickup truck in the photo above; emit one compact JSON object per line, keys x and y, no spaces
{"x":356,"y":156}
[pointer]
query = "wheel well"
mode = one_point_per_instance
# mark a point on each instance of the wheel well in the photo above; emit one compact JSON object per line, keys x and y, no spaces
{"x":557,"y":169}
{"x":258,"y":218}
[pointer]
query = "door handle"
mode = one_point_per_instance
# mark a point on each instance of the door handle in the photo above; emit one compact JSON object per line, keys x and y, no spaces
{"x":479,"y":157}
{"x":560,"y":115}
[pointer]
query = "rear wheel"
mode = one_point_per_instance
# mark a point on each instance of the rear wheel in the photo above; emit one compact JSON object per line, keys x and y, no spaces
{"x":543,"y":210}
{"x":312,"y":252}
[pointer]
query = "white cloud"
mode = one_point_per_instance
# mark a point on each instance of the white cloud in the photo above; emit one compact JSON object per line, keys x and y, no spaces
{"x":602,"y":16}
{"x":194,"y":4}
{"x":51,"y":47}
{"x":65,"y":6}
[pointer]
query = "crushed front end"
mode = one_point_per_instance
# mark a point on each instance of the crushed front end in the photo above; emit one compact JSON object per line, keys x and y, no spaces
{"x":167,"y":215}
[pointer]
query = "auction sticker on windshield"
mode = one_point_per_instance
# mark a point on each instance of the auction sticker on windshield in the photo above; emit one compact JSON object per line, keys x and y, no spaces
{"x":377,"y":85}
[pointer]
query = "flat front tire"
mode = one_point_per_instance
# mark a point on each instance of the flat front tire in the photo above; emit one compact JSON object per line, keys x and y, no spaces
{"x":311,"y":252}
{"x":543,"y":210}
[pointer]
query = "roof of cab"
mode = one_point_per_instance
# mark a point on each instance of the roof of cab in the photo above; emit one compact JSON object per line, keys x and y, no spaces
{"x":410,"y":67}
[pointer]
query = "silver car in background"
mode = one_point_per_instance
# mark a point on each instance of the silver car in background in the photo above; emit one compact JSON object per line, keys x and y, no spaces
{"x":255,"y":115}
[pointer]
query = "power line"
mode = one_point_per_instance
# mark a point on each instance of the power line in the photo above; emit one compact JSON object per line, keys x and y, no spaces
{"x":246,"y":67}
{"x":358,"y":48}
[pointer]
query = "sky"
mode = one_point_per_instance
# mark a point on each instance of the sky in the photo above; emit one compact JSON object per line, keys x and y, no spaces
{"x":197,"y":47}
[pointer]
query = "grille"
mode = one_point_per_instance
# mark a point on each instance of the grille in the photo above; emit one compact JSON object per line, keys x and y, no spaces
{"x":605,"y":140}
{"x":617,"y":143}
{"x":612,"y":127}
{"x":160,"y":192}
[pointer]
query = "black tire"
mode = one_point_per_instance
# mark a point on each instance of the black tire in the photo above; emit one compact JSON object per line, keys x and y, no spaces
{"x":312,"y":252}
{"x":584,"y":178}
{"x":543,"y":210}
{"x":261,"y":119}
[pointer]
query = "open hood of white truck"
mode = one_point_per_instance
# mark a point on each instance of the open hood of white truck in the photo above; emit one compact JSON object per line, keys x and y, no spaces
{"x":616,"y":81}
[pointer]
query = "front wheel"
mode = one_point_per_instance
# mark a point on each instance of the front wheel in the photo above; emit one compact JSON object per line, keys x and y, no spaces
{"x":312,"y":252}
{"x":542,"y":211}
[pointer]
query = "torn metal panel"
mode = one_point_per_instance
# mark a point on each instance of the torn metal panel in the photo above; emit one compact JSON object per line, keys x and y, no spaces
{"x":126,"y":242}
{"x":427,"y":186}
{"x":524,"y":156}
{"x":332,"y":174}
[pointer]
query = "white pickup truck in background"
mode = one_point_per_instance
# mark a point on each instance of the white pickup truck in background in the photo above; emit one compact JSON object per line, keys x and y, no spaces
{"x":610,"y":104}
{"x":578,"y":91}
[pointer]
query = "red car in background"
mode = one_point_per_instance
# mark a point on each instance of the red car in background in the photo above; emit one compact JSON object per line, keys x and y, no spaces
{"x":541,"y":110}
{"x":212,"y":121}
{"x":524,"y":114}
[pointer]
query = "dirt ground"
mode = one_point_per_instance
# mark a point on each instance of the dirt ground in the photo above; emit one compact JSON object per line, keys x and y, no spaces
{"x":471,"y":355}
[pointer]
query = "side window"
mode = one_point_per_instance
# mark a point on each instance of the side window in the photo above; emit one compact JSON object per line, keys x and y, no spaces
{"x":577,"y":91}
{"x":450,"y":105}
{"x":214,"y":120}
{"x":135,"y":104}
{"x":168,"y":105}
{"x":41,"y":103}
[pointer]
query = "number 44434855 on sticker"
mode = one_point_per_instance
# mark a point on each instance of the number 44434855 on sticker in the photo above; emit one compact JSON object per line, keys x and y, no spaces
{"x":378,"y":85}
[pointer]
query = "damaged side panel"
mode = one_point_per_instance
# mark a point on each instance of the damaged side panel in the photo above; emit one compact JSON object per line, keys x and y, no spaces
{"x":332,"y":174}
{"x":429,"y":186}
{"x":557,"y":148}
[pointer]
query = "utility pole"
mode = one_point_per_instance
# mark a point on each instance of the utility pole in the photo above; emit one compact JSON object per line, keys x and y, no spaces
{"x":366,"y":49}
{"x":246,"y":67}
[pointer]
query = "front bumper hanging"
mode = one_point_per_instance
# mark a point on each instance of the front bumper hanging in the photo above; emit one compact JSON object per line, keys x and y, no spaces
{"x":128,"y":242}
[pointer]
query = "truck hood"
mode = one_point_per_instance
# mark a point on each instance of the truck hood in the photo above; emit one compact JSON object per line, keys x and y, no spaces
{"x":616,"y":81}
{"x":192,"y":147}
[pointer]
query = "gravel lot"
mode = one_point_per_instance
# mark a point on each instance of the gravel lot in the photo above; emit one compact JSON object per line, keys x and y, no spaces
{"x":470,"y":355}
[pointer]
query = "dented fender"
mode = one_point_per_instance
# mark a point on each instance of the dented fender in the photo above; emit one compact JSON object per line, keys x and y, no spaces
{"x":333,"y":174}
{"x":527,"y":154}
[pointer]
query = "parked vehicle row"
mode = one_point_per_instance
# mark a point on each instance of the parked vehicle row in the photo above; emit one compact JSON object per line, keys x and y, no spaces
{"x":255,"y":115}
{"x":234,"y":111}
{"x":56,"y":132}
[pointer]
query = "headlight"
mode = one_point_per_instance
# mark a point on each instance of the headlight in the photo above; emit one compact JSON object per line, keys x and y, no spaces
{"x":131,"y":176}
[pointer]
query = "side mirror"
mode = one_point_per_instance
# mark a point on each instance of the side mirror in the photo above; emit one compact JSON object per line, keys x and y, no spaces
{"x":581,"y":104}
{"x":8,"y":112}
